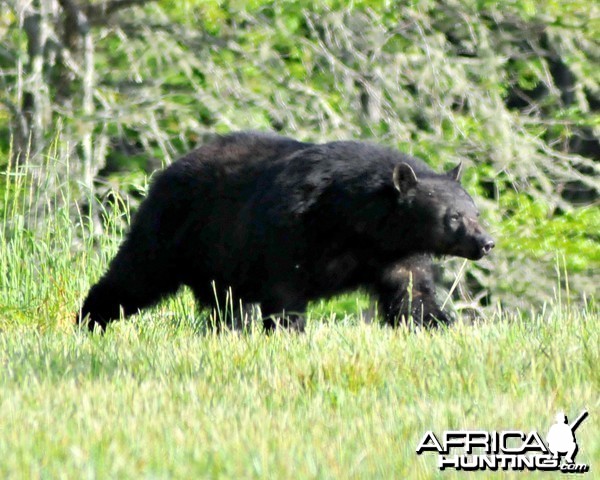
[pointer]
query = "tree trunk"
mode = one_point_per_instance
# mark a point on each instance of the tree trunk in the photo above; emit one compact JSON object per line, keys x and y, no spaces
{"x":35,"y":94}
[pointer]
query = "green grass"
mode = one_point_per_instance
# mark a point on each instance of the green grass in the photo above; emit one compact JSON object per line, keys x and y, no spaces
{"x":153,"y":400}
{"x":162,"y":397}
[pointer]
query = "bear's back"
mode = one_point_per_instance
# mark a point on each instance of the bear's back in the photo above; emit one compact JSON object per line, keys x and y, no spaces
{"x":241,"y":151}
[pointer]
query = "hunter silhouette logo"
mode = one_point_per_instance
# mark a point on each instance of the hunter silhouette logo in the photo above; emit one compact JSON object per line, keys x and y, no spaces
{"x":561,"y":437}
{"x":509,"y":449}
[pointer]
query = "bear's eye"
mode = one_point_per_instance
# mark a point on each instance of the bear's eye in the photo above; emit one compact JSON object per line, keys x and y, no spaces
{"x":455,"y":217}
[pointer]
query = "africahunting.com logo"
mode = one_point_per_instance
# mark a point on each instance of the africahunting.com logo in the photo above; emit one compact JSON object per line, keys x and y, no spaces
{"x":508,"y":450}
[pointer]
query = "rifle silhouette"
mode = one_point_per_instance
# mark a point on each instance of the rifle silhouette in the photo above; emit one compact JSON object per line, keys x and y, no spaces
{"x":582,"y":416}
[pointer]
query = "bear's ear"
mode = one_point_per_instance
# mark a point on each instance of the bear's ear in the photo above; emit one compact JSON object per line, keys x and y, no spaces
{"x":405,"y":177}
{"x":455,"y":173}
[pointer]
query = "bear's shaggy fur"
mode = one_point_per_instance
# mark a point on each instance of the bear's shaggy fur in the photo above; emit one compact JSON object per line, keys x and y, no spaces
{"x":280,"y":223}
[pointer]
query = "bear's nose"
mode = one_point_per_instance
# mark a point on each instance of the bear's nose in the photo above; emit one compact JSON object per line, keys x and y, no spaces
{"x":487,"y":247}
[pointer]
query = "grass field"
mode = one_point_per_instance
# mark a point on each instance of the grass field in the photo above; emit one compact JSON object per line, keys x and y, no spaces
{"x":162,"y":397}
{"x":345,"y":400}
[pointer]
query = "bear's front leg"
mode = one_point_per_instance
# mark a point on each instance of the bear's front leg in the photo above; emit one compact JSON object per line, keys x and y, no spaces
{"x":407,"y":290}
{"x":284,"y":306}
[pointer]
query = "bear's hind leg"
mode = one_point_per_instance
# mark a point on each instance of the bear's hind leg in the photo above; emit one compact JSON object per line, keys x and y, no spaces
{"x":133,"y":281}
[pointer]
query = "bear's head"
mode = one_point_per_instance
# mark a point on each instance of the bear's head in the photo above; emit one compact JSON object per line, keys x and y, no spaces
{"x":443,"y":216}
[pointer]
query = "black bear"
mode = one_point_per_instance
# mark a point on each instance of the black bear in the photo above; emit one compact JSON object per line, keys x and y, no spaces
{"x":277,"y":222}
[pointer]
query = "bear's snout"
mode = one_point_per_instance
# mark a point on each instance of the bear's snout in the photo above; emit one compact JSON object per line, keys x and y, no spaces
{"x":485,"y":244}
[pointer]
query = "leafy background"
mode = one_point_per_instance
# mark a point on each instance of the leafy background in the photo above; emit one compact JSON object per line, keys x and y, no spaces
{"x":116,"y":89}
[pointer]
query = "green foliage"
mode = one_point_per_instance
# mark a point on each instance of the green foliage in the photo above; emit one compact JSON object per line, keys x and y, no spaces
{"x":508,"y":88}
{"x":532,"y":230}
